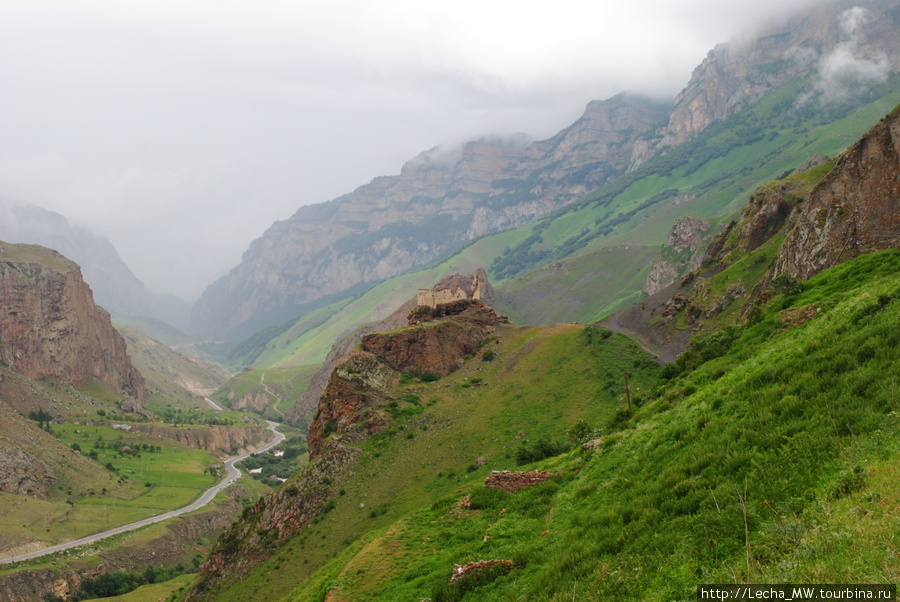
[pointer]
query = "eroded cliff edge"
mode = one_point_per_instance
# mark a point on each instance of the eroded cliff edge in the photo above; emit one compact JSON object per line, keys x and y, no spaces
{"x":50,"y":327}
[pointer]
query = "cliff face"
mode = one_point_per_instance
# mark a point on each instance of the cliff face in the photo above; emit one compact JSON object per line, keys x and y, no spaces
{"x":225,"y":439}
{"x":678,"y":254}
{"x":855,"y":210}
{"x":439,"y":202}
{"x":50,"y":327}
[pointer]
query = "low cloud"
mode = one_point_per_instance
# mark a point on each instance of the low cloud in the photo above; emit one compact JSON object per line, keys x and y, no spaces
{"x":849,"y":68}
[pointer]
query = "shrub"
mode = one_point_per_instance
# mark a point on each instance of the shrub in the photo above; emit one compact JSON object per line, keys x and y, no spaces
{"x":488,"y":356}
{"x":539,"y":450}
{"x":428,"y":377}
{"x":787,"y":285}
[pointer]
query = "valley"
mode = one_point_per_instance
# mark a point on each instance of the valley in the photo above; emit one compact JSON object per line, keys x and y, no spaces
{"x":654,"y":350}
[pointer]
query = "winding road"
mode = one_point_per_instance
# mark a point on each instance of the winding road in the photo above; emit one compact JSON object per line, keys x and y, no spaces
{"x":207,"y":497}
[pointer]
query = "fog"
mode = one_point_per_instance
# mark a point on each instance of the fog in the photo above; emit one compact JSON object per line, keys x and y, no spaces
{"x":181,"y":131}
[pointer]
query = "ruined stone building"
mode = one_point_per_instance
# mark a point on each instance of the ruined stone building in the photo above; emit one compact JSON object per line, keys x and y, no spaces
{"x":434,"y":297}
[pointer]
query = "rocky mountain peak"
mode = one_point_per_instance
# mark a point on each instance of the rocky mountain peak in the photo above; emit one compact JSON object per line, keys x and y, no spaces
{"x":846,"y":45}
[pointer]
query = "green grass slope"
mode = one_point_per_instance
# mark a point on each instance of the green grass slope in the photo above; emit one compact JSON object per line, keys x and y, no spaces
{"x":772,"y":461}
{"x":712,"y":176}
{"x":450,"y":433}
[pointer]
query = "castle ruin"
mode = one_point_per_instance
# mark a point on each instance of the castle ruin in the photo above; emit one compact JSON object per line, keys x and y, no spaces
{"x":433,"y":297}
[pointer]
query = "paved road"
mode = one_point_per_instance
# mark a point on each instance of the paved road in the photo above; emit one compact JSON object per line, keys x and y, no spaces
{"x":208,"y":495}
{"x":214,"y":405}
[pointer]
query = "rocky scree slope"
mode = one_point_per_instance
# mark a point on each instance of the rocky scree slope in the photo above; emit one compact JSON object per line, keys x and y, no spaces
{"x":50,"y":327}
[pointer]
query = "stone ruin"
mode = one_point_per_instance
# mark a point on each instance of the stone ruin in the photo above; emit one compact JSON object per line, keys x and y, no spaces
{"x":480,"y":568}
{"x":513,"y":481}
{"x":430,"y":297}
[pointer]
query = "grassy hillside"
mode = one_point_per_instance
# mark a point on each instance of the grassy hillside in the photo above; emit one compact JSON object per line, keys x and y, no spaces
{"x":172,"y":379}
{"x":712,"y":176}
{"x":280,"y":387}
{"x":452,"y":432}
{"x":772,"y":461}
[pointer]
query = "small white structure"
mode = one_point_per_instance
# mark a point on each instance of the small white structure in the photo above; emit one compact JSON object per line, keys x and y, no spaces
{"x":255,"y":470}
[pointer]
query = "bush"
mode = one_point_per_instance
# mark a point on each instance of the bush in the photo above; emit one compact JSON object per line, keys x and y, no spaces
{"x":787,"y":285}
{"x":428,"y":377}
{"x":539,"y":450}
{"x":488,"y":356}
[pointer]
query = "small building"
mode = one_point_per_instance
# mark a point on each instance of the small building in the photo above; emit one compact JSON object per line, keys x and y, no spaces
{"x":434,"y":297}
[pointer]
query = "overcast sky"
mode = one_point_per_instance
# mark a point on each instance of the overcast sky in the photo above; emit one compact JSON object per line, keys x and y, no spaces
{"x":182,"y":130}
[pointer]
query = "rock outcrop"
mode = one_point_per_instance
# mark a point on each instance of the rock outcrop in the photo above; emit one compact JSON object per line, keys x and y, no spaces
{"x":855,"y":210}
{"x":224,"y":439}
{"x":680,"y":253}
{"x":50,"y":327}
{"x":354,"y":401}
{"x":435,"y":346}
{"x":23,"y":474}
{"x":308,"y":404}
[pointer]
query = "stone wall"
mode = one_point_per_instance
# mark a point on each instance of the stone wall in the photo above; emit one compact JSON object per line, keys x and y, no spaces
{"x":513,"y":481}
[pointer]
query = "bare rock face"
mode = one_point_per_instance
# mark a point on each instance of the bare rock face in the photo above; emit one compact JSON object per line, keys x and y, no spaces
{"x":678,"y":254}
{"x":437,"y":347}
{"x":855,"y":210}
{"x":862,"y":34}
{"x":222,"y":439}
{"x":440,"y":201}
{"x":256,"y":401}
{"x":50,"y":327}
{"x":353,"y":402}
{"x":23,"y":474}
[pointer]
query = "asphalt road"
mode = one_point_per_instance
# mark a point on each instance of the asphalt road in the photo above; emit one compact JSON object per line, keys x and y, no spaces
{"x":207,"y":497}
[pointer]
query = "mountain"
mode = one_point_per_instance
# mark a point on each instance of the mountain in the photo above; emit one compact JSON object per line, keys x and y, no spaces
{"x":440,"y":201}
{"x":443,"y":199}
{"x":115,"y":287}
{"x":410,"y":490}
{"x":50,"y":326}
